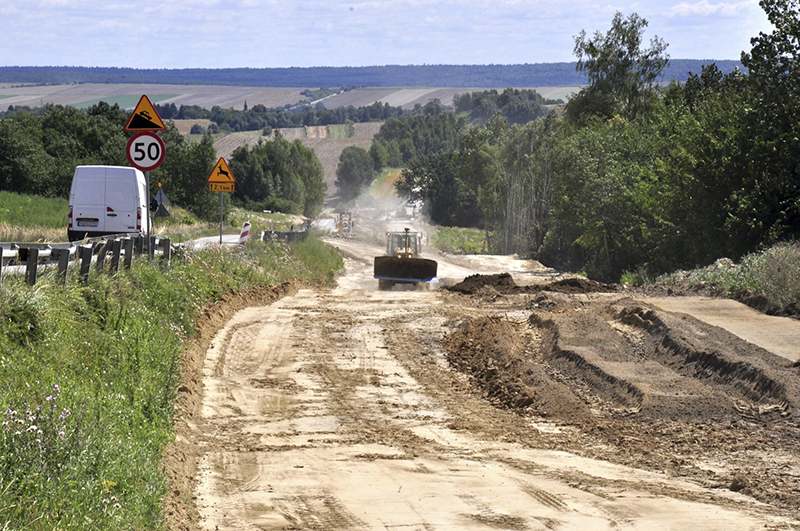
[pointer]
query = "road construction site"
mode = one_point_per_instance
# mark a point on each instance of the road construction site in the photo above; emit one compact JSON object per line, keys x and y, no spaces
{"x":512,"y":396}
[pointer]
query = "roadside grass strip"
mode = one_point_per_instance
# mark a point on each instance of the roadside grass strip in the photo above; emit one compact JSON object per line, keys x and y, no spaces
{"x":88,"y":380}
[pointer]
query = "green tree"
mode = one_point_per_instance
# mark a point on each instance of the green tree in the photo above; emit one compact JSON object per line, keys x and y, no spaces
{"x":309,"y":169}
{"x":479,"y":167}
{"x":447,"y":201}
{"x":24,"y":165}
{"x":185,"y":172}
{"x":600,"y":217}
{"x":772,"y":196}
{"x":278,"y":175}
{"x":621,"y":74}
{"x":354,"y":172}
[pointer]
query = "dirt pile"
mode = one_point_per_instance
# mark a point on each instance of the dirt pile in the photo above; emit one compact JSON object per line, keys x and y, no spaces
{"x":503,"y":283}
{"x":624,"y":359}
{"x":499,"y":357}
{"x":662,"y":389}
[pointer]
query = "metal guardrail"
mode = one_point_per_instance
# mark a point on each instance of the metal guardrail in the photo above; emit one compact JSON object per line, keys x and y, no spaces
{"x":106,"y":253}
{"x":284,"y":235}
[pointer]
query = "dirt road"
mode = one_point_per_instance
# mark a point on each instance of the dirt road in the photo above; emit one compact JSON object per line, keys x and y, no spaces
{"x":496,"y":408}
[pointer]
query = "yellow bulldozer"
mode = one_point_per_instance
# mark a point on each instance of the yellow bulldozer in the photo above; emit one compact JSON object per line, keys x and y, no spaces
{"x":402,"y":263}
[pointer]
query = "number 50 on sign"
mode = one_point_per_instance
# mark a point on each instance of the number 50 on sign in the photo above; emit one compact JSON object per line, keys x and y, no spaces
{"x":146,"y":151}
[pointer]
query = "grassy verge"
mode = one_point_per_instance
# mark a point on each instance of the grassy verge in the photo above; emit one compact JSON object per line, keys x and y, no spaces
{"x":182,"y":226}
{"x":457,"y":240}
{"x":773,"y":274}
{"x":88,"y":376}
{"x":31,"y":218}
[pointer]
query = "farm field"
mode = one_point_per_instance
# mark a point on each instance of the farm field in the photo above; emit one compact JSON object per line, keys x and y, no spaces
{"x":207,"y":96}
{"x":408,"y":97}
{"x":127,"y":95}
{"x":317,"y":138}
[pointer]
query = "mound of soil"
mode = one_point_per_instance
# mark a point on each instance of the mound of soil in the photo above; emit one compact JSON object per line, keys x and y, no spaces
{"x":575,"y":285}
{"x":623,"y":359}
{"x":503,"y":283}
{"x":662,"y":389}
{"x":496,"y":354}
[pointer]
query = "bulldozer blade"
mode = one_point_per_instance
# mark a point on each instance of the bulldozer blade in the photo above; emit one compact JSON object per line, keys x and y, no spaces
{"x":405,"y":269}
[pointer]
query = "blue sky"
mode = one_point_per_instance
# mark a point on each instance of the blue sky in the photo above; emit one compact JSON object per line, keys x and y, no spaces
{"x":285,"y":33}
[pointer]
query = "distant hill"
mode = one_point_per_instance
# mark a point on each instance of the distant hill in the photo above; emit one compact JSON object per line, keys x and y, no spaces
{"x":489,"y":76}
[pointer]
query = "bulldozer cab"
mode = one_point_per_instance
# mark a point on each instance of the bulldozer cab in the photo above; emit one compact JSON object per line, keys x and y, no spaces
{"x":402,"y":263}
{"x":403,"y":244}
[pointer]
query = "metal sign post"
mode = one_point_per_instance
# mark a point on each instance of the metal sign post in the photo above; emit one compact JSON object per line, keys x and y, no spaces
{"x":221,"y":180}
{"x":145,"y":150}
{"x":147,"y":211}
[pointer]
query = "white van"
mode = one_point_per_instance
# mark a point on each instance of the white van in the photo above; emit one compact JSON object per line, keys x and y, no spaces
{"x":107,"y":200}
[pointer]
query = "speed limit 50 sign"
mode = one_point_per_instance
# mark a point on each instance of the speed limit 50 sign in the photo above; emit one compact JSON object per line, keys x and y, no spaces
{"x":146,"y":151}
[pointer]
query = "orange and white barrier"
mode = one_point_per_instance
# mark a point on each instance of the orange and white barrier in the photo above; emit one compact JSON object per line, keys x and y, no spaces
{"x":245,"y":234}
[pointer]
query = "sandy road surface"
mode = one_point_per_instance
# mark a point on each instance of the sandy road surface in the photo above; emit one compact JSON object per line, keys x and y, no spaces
{"x":779,"y":335}
{"x":343,"y":409}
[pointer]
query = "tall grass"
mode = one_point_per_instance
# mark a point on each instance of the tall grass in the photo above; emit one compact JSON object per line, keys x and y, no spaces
{"x":457,"y":240}
{"x":88,"y":376}
{"x":33,"y":211}
{"x":29,"y":218}
{"x":773,"y":273}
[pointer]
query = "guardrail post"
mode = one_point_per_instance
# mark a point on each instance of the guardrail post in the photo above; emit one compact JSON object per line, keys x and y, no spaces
{"x":127,"y":245}
{"x":166,"y":246}
{"x":116,"y":250}
{"x":62,"y":256}
{"x":138,"y":245}
{"x":152,"y":247}
{"x":101,"y":255}
{"x":32,"y":260}
{"x":86,"y":262}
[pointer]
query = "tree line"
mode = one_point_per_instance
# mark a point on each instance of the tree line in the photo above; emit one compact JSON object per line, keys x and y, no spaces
{"x":514,"y":75}
{"x":635,"y":176}
{"x":427,"y":134}
{"x":39,"y":152}
{"x":259,"y":117}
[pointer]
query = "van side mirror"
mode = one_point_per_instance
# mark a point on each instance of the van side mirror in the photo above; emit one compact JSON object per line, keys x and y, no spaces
{"x":153,"y":204}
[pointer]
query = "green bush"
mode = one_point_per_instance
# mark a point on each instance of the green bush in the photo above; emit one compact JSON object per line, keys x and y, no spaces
{"x":773,"y":273}
{"x":458,"y":240}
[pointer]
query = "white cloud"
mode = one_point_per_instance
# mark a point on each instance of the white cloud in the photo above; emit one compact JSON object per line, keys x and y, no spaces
{"x":706,"y":9}
{"x":183,"y":33}
{"x":113,"y":24}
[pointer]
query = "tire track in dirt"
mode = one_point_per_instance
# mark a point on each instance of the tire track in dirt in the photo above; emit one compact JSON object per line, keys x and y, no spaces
{"x":339,"y":410}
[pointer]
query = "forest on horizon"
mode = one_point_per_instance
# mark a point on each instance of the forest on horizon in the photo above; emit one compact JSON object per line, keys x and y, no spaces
{"x":498,"y":76}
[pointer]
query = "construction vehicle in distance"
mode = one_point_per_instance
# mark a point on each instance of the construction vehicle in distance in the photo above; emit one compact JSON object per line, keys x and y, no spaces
{"x":402,"y":263}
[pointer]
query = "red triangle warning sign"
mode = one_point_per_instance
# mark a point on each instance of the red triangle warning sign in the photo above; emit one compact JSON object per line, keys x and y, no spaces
{"x":221,"y":173}
{"x":145,"y":117}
